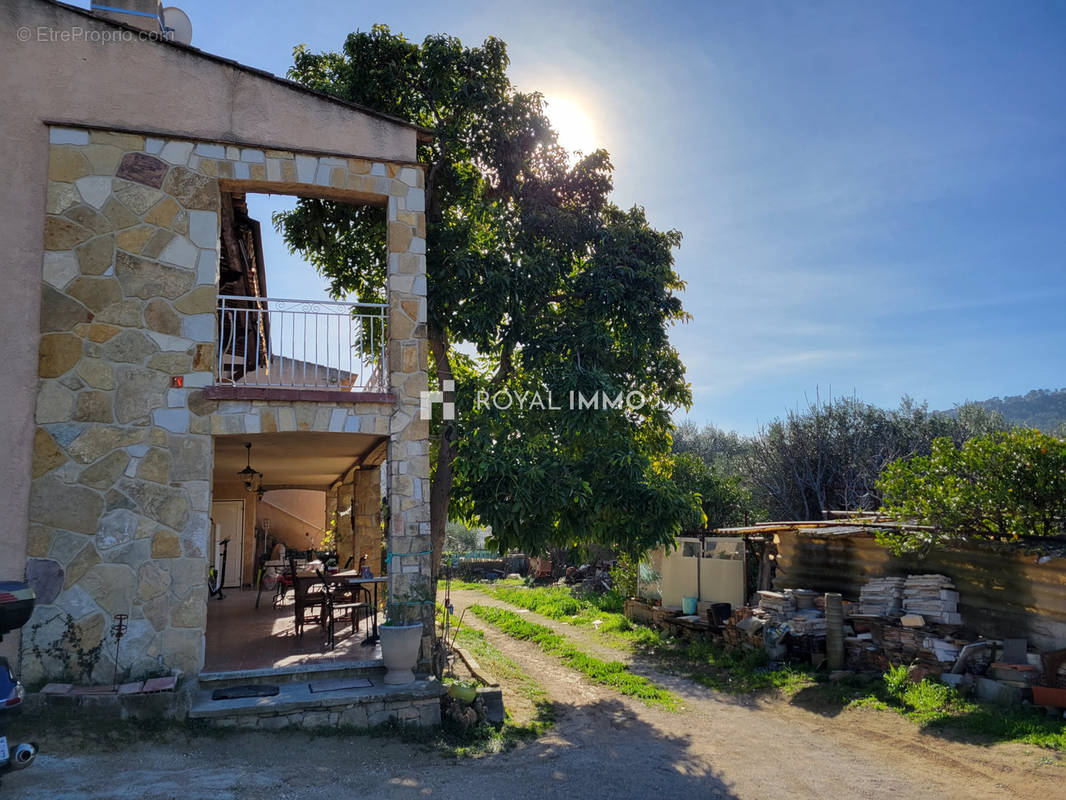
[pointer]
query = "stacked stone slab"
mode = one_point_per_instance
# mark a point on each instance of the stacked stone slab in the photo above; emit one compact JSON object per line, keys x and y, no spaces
{"x":779,"y":606}
{"x":933,"y":597}
{"x":882,"y":597}
{"x":122,"y":453}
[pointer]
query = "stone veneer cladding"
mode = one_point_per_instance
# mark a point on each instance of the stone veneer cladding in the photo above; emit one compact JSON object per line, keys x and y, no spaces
{"x":122,"y":463}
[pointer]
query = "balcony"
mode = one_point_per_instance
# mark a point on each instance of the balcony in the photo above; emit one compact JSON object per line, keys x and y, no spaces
{"x":302,"y":345}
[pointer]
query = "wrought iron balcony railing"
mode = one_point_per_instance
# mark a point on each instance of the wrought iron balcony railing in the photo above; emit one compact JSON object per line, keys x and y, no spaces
{"x":304,"y":344}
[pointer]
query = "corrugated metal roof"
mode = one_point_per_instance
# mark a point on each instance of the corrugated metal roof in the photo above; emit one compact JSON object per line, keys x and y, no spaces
{"x":802,"y":528}
{"x":1030,"y":545}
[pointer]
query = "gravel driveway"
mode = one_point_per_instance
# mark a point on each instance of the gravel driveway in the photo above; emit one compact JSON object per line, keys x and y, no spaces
{"x":603,"y":746}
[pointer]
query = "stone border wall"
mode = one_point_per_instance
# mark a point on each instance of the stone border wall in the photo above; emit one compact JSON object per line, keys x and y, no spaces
{"x":421,"y":713}
{"x":122,"y":463}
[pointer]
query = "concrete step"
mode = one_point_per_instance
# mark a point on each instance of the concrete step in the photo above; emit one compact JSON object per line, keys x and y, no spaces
{"x":296,"y":673}
{"x":297,"y":705}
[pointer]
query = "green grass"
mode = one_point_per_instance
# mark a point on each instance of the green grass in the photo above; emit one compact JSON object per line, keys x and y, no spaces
{"x":474,"y":642}
{"x":936,"y":706}
{"x":731,"y":670}
{"x":590,"y":611}
{"x":612,"y":674}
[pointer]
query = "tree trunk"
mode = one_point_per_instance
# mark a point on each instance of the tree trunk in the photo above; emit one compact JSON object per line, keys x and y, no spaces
{"x":440,"y":491}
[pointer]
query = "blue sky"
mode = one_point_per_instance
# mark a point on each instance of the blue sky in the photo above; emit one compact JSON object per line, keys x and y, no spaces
{"x":872,"y":195}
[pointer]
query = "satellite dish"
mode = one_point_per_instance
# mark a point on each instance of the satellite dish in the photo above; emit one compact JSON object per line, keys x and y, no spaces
{"x":177,"y":24}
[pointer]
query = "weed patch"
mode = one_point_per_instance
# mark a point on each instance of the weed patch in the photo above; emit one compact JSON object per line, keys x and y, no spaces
{"x":734,"y":671}
{"x":935,"y":706}
{"x":613,"y":674}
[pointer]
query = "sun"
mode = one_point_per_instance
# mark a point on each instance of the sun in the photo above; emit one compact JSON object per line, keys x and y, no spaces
{"x":574,"y":126}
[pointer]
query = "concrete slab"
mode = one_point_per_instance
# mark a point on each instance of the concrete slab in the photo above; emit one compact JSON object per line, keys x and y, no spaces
{"x":298,"y":696}
{"x":160,"y":685}
{"x":492,"y":696}
{"x":996,"y":692}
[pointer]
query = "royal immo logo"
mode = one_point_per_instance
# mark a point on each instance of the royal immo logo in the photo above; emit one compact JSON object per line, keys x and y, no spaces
{"x":430,"y":398}
{"x":505,"y":399}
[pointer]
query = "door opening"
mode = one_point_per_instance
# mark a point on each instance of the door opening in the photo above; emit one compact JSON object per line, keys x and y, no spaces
{"x":228,"y":516}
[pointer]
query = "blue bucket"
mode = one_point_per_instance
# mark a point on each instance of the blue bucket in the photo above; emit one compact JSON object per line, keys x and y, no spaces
{"x":688,"y":605}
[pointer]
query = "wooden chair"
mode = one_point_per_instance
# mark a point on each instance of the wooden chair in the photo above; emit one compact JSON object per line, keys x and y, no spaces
{"x":307,"y":600}
{"x":342,"y":600}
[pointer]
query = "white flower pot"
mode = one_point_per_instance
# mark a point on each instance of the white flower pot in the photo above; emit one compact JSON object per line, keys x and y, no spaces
{"x":399,"y":651}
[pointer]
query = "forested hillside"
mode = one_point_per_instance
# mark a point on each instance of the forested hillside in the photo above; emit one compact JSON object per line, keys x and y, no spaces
{"x":1041,"y":408}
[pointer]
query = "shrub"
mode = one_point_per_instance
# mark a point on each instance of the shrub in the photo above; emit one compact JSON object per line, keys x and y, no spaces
{"x":1004,"y":485}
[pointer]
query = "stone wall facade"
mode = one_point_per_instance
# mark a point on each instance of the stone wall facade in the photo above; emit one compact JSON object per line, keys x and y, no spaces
{"x":123,"y":458}
{"x":354,"y":502}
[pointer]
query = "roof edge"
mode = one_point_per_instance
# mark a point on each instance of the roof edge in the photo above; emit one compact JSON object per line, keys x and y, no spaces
{"x":423,"y":134}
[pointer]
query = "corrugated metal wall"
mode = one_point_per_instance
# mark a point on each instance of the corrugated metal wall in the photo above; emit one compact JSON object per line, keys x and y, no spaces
{"x":1001,"y":594}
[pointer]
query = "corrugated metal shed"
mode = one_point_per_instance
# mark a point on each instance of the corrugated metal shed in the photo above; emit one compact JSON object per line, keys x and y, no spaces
{"x":1003,"y":591}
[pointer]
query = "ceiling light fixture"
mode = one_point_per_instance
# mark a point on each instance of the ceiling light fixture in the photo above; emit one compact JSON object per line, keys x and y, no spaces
{"x":253,"y":479}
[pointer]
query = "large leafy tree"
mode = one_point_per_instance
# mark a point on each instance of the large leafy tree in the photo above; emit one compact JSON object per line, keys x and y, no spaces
{"x":723,"y":501}
{"x":537,"y":284}
{"x":1003,"y":485}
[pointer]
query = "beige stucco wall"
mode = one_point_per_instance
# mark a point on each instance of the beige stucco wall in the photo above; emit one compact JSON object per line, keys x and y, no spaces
{"x":141,"y":85}
{"x":306,"y":505}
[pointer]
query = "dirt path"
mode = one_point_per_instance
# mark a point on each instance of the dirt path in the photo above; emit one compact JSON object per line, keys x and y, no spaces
{"x":766,"y":749}
{"x":603,"y":746}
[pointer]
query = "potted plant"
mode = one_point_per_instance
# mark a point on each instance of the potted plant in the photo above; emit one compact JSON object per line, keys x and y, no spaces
{"x":463,"y":691}
{"x":401,"y":635}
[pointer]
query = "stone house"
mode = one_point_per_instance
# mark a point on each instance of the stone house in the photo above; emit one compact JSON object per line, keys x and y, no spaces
{"x":135,"y":303}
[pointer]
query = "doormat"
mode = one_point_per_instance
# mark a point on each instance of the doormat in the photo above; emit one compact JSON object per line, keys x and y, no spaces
{"x":339,"y":684}
{"x":238,"y":692}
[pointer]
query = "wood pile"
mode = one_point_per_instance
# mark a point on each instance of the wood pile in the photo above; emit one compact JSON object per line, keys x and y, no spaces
{"x":864,"y":655}
{"x":901,"y":645}
{"x":660,"y":614}
{"x":933,"y":597}
{"x":736,"y":631}
{"x":883,"y":645}
{"x":639,"y":611}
